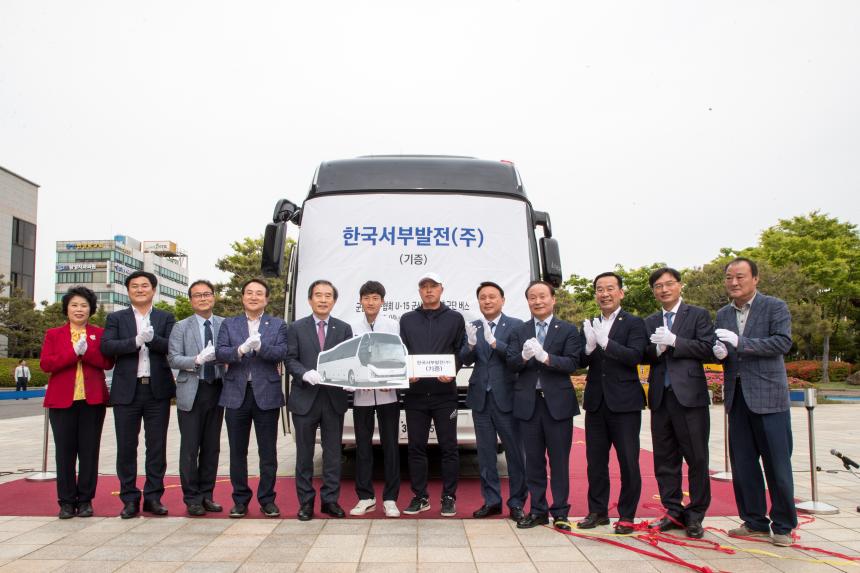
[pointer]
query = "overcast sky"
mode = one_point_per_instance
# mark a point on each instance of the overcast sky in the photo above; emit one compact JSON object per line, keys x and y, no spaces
{"x":651,"y":131}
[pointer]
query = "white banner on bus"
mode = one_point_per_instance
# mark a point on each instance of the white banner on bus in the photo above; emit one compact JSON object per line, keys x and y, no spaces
{"x":394,"y":238}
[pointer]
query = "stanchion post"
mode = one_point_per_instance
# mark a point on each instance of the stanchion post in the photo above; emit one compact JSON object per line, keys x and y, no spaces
{"x":813,"y":506}
{"x":43,"y":475}
{"x":725,"y":475}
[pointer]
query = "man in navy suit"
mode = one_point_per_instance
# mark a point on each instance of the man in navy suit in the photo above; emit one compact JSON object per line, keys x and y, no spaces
{"x":545,"y":352}
{"x":141,"y":390}
{"x":754,"y":333}
{"x":681,"y":340}
{"x":252,"y":345}
{"x":314,"y":405}
{"x":614,"y":344}
{"x":490,"y":396}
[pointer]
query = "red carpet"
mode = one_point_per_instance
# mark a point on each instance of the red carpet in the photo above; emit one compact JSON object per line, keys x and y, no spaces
{"x":33,"y":498}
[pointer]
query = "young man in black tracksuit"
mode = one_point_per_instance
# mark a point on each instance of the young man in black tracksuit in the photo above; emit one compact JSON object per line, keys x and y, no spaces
{"x":432,"y":329}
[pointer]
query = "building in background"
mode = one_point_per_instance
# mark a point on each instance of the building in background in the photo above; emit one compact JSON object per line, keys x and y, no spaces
{"x":103,"y":265}
{"x":18,"y":201}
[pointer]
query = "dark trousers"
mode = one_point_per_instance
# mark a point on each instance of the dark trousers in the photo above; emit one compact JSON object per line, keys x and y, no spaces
{"x":200,"y":443}
{"x":488,"y":424}
{"x":441,"y":410}
{"x":545,"y":437}
{"x":21,"y":385}
{"x":680,"y":433}
{"x":265,"y":423}
{"x":389,"y":433}
{"x":603,"y":430}
{"x":127,"y":417}
{"x":767,"y":437}
{"x":77,"y":436}
{"x":322,"y":415}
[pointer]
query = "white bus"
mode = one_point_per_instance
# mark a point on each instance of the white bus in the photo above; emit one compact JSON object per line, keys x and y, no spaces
{"x":393,"y":218}
{"x":365,"y":361}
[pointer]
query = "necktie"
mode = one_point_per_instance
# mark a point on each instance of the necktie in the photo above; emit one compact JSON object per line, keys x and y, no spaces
{"x":541,"y":333}
{"x":371,"y":327}
{"x":669,"y":319}
{"x":321,"y":334}
{"x":492,"y":326}
{"x":208,"y":367}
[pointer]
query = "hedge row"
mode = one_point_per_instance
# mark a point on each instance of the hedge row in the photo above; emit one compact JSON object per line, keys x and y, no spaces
{"x":810,"y":370}
{"x":7,"y":372}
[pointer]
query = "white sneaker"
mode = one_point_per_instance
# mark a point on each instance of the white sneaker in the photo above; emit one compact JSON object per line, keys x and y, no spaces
{"x":363,"y":506}
{"x":390,"y":507}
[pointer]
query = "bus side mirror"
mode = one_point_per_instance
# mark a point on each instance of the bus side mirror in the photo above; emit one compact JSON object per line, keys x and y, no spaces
{"x":272,"y":262}
{"x":364,"y":357}
{"x":550,"y":261}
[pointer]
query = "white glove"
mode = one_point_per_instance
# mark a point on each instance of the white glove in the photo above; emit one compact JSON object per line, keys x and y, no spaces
{"x":251,"y":343}
{"x":488,"y":334}
{"x":81,"y":346}
{"x":720,"y":350}
{"x":256,"y":341}
{"x":540,"y":354}
{"x":206,"y":355}
{"x":601,"y":332}
{"x":728,"y":336}
{"x":312,"y":377}
{"x":471,"y":334}
{"x":529,"y":349}
{"x":663,"y":336}
{"x":590,"y":339}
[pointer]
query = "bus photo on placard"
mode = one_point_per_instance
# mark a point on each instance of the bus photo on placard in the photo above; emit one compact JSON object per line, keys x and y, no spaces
{"x":370,"y":361}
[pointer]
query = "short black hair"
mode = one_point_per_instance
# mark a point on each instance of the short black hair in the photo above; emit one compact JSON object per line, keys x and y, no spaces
{"x":608,"y":274}
{"x":660,"y":272}
{"x":261,"y":282}
{"x":137,"y":274}
{"x":370,"y":287}
{"x":85,"y":294}
{"x":750,"y":262}
{"x":546,"y":284}
{"x":321,"y":282}
{"x":489,"y":284}
{"x":201,"y":282}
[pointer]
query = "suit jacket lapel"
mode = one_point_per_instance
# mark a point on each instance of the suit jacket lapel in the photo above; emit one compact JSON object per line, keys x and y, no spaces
{"x":617,"y":323}
{"x":679,"y":318}
{"x":195,"y":331}
{"x":551,"y":328}
{"x":263,"y":329}
{"x":331,"y":334}
{"x":312,"y":331}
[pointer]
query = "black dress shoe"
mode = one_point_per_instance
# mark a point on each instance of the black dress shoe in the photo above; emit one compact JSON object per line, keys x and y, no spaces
{"x":306,"y":512}
{"x":270,"y":509}
{"x":624,"y":526}
{"x":210,"y":505}
{"x":154,"y":507}
{"x":592,"y":520}
{"x":196,"y":510}
{"x":668,"y":524}
{"x":695,"y":530}
{"x":532,"y":520}
{"x":238,"y":510}
{"x":85,"y":509}
{"x":333,"y":509}
{"x":517,"y":514}
{"x":67,"y":511}
{"x":129,"y":510}
{"x":486,"y":511}
{"x":561,"y":523}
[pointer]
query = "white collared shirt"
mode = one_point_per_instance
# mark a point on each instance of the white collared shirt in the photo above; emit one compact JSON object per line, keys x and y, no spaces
{"x":388,"y":326}
{"x":673,"y":310}
{"x":143,"y":353}
{"x":742,"y":313}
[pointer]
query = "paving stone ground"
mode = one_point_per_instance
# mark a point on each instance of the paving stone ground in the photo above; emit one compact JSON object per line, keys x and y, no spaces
{"x":391,"y":545}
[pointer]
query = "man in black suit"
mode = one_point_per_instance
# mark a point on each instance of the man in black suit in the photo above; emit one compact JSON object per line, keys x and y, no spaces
{"x":314,"y":405}
{"x":614,"y":344}
{"x":681,"y":340}
{"x":142,"y":387}
{"x":544,"y":351}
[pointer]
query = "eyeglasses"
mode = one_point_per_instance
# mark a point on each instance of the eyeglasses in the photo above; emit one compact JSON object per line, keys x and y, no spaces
{"x":202,"y":295}
{"x":667,"y":284}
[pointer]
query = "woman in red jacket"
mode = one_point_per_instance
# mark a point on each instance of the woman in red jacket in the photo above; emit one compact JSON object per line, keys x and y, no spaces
{"x":76,"y":397}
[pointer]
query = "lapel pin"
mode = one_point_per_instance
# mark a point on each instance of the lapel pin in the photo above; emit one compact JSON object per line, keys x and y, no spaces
{"x":556,"y":326}
{"x":92,"y":336}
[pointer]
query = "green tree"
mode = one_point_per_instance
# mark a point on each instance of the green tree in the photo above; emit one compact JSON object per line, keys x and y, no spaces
{"x":20,"y":322}
{"x":827,"y":251}
{"x":244,"y":264}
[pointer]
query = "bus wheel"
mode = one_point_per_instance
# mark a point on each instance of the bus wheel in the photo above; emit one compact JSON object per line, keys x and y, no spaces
{"x":351,"y":378}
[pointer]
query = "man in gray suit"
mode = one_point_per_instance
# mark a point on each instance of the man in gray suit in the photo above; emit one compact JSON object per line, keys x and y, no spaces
{"x":191,"y":351}
{"x":316,"y":406}
{"x":253,"y":345}
{"x":754,"y":333}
